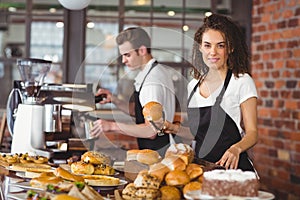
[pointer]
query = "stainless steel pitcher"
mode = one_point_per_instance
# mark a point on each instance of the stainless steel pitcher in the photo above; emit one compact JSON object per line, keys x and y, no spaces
{"x":53,"y":122}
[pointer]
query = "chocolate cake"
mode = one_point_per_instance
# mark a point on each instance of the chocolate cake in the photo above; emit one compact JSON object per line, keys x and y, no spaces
{"x":230,"y":183}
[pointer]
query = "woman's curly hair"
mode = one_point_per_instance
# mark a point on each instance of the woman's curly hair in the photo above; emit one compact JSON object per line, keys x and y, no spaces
{"x":237,"y":49}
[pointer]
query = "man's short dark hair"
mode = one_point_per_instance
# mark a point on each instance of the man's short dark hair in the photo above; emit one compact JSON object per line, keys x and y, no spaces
{"x":136,"y":36}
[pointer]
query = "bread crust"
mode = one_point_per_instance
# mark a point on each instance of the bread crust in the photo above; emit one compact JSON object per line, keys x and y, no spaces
{"x":148,"y":156}
{"x":170,"y":193}
{"x":194,"y":170}
{"x":192,"y":186}
{"x":174,"y":162}
{"x":159,"y":170}
{"x":153,"y":111}
{"x":95,"y":158}
{"x":177,"y":178}
{"x":82,"y":168}
{"x":61,"y":172}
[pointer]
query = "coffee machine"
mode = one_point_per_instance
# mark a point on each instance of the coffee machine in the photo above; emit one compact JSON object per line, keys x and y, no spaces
{"x":42,"y":116}
{"x":28,"y":125}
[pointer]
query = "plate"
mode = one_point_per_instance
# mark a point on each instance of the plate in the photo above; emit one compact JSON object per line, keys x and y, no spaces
{"x":14,"y":169}
{"x":194,"y":195}
{"x":17,"y":196}
{"x":25,"y":185}
{"x":265,"y":195}
{"x":109,"y":187}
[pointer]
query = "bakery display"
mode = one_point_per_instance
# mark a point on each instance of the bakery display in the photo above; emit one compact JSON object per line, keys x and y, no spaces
{"x":166,"y":177}
{"x":230,"y":183}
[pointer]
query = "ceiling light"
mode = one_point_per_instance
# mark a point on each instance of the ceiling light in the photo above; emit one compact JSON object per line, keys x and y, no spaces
{"x":185,"y":28}
{"x":59,"y":24}
{"x":74,"y":4}
{"x":12,"y":9}
{"x":90,"y":25}
{"x":52,"y":10}
{"x":207,"y":14}
{"x":171,"y":13}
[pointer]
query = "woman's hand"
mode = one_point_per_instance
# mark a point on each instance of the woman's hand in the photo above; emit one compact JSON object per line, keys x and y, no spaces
{"x":170,"y":128}
{"x":231,"y":157}
{"x":101,"y":126}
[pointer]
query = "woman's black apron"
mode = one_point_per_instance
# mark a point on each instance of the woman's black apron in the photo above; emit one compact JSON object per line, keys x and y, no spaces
{"x":160,"y":143}
{"x":214,"y":130}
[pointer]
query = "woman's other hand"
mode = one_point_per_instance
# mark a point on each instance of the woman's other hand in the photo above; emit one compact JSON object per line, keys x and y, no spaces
{"x":230,"y":158}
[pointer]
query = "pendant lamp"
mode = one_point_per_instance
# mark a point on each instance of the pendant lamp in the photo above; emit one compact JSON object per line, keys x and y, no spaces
{"x":74,"y":4}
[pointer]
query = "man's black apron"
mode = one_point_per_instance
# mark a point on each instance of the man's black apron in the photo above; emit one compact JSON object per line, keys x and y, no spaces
{"x":214,"y":130}
{"x":160,"y":142}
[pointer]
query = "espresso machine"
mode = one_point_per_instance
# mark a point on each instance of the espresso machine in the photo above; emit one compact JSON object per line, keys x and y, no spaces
{"x":28,"y":127}
{"x":42,"y":116}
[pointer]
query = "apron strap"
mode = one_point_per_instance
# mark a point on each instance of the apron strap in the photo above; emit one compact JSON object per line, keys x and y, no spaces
{"x":153,"y":65}
{"x":226,"y":82}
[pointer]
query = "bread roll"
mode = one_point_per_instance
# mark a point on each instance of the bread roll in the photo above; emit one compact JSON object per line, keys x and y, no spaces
{"x":60,"y":172}
{"x":82,"y":168}
{"x":145,"y":180}
{"x":191,"y":186}
{"x":174,"y":162}
{"x":132,"y":154}
{"x":129,"y":191}
{"x":170,"y":193}
{"x":103,"y":169}
{"x":148,"y":156}
{"x":153,"y":111}
{"x":194,"y":170}
{"x":182,"y":150}
{"x":95,"y":158}
{"x":159,"y":170}
{"x":147,"y":193}
{"x":177,"y":178}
